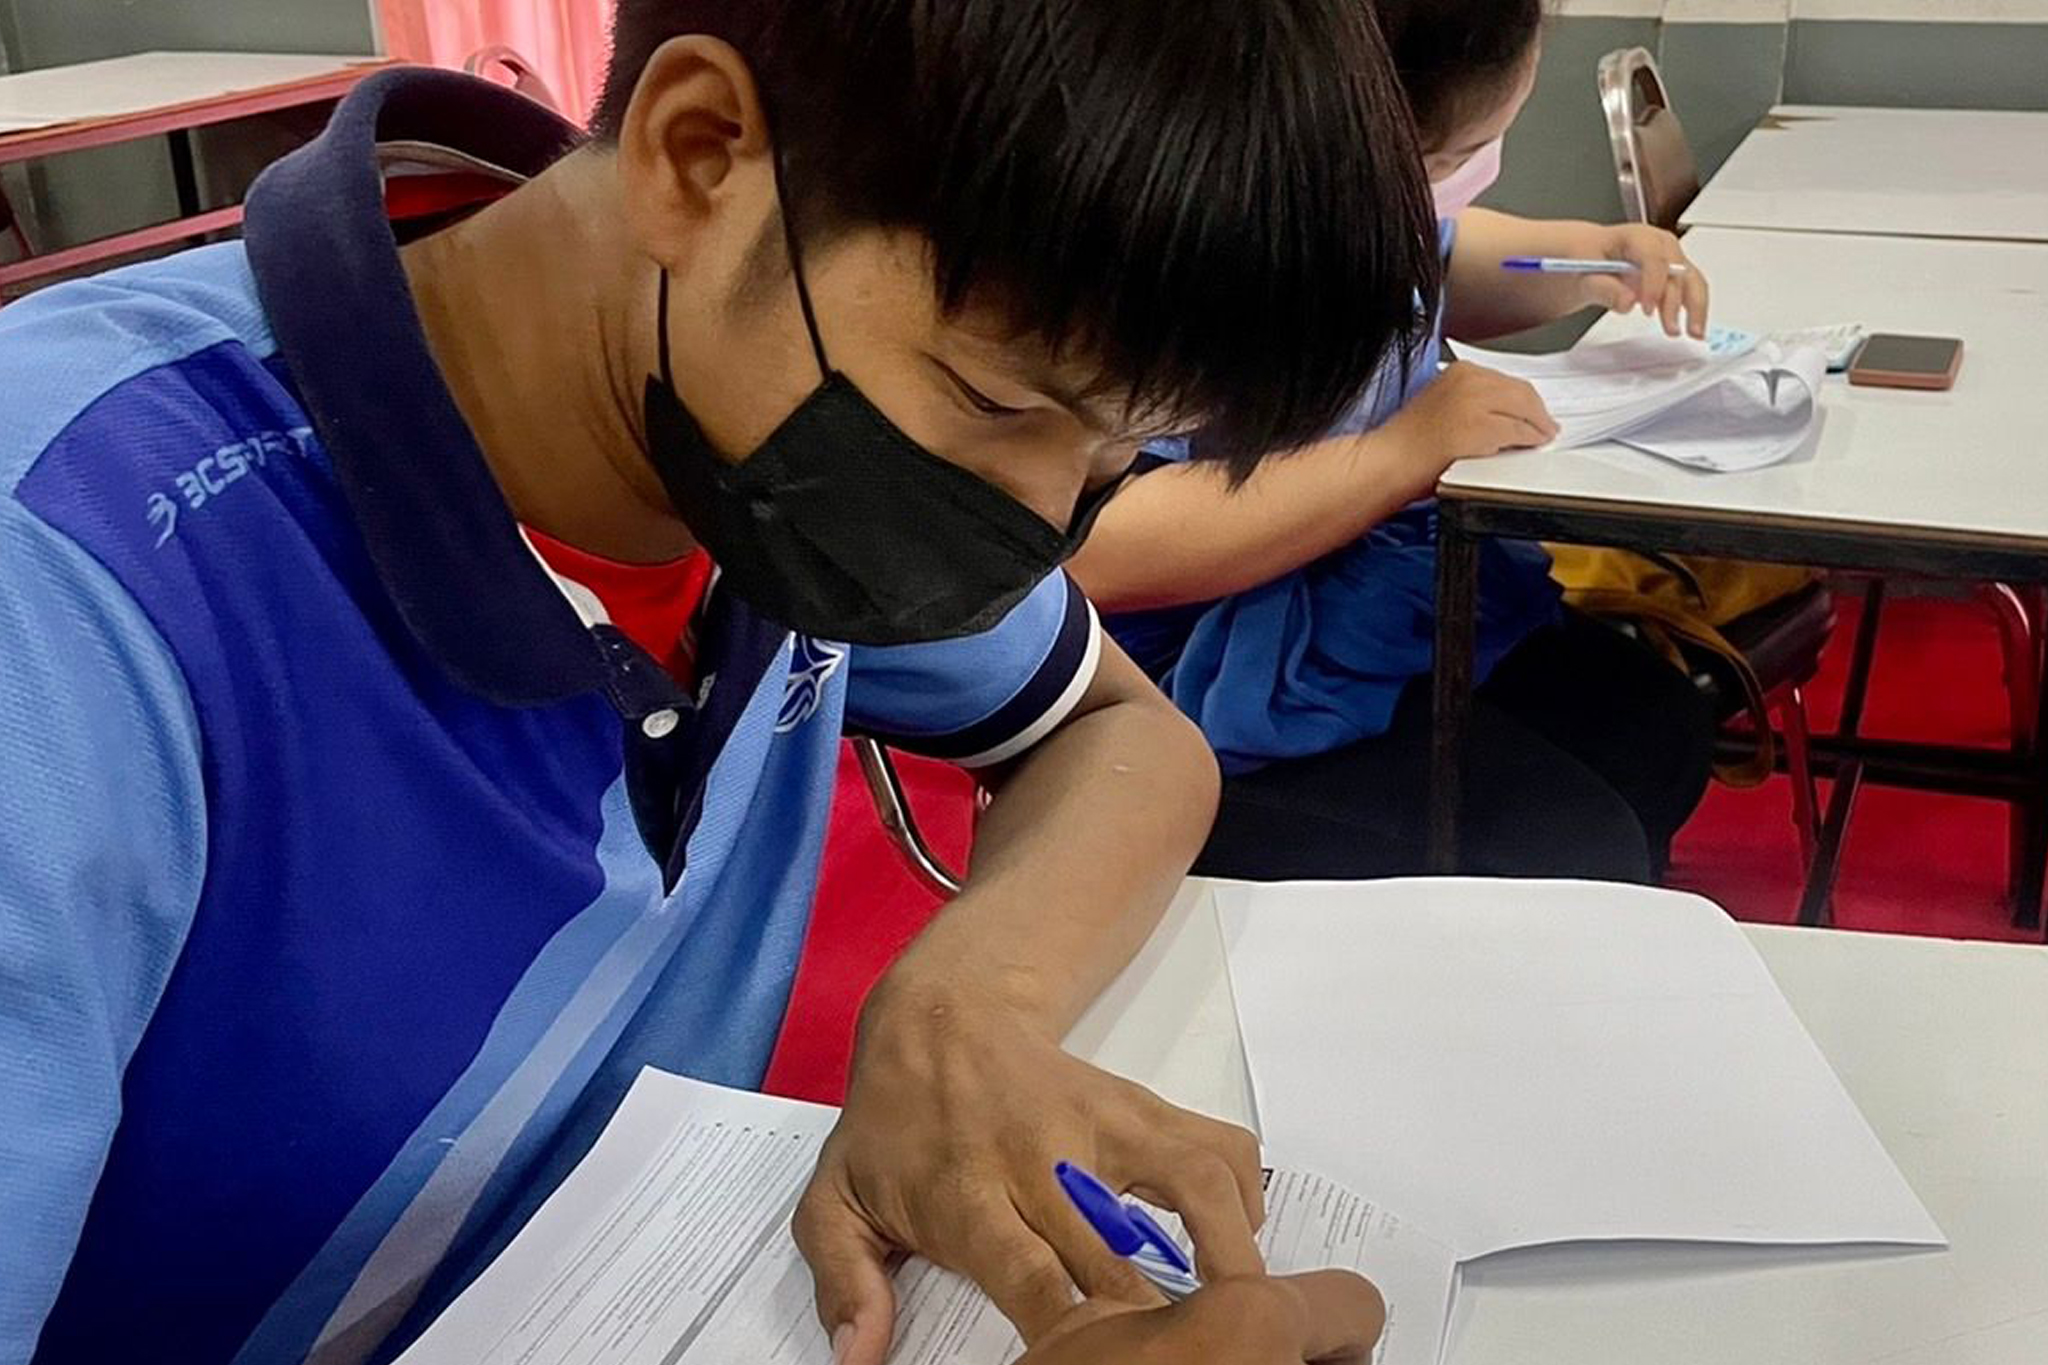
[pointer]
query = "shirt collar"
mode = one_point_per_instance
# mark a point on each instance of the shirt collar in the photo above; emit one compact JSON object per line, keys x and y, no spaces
{"x":438,"y":528}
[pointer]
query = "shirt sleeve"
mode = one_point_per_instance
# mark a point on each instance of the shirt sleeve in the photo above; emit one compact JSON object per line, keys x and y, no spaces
{"x":102,"y":851}
{"x":985,"y":699}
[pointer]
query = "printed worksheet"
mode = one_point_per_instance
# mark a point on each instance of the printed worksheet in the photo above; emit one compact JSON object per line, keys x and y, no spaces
{"x":670,"y":1245}
{"x":683,"y":1193}
{"x":1311,"y":1224}
{"x":1733,"y":402}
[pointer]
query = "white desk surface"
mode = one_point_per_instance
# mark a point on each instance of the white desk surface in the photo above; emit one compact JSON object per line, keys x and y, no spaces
{"x":1944,"y":1046}
{"x":121,"y":86}
{"x":1912,"y":172}
{"x":1973,"y":460}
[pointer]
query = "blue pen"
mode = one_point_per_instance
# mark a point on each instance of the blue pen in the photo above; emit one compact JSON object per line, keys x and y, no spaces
{"x":1131,"y":1233}
{"x":1564,"y":265}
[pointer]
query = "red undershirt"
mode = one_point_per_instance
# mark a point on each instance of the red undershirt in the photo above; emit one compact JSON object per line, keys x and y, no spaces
{"x":653,"y":605}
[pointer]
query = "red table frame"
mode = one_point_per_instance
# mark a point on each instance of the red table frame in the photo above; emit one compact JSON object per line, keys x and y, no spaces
{"x":175,"y":121}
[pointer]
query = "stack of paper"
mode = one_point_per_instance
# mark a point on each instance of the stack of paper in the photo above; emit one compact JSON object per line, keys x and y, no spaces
{"x":670,"y":1245}
{"x":1731,"y":403}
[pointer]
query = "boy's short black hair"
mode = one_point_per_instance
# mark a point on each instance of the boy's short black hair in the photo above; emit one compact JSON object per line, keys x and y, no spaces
{"x":1221,"y":200}
{"x":1452,"y":55}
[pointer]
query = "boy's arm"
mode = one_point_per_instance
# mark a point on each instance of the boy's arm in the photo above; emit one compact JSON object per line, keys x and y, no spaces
{"x":962,"y":1100}
{"x":102,"y":852}
{"x":1485,"y":301}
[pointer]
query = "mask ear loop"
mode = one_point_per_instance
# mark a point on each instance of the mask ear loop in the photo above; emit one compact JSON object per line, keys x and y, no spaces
{"x":668,"y":377}
{"x":796,"y":266}
{"x":803,"y":291}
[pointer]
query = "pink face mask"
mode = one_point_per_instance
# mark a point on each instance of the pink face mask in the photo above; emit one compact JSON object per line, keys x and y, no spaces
{"x":1456,"y":191}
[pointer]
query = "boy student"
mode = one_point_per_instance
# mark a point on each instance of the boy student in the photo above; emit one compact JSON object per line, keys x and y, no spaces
{"x":429,"y":627}
{"x":1296,"y":619}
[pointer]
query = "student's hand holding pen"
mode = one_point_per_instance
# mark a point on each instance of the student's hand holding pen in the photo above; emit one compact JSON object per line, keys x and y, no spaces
{"x":1664,"y":284}
{"x":956,"y":1118}
{"x":1328,"y":1318}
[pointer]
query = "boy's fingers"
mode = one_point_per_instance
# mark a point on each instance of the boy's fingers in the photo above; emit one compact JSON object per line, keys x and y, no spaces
{"x":850,"y":1265}
{"x":1203,"y":1191}
{"x":1343,"y":1315}
{"x":1023,"y":1275}
{"x":1098,"y":1272}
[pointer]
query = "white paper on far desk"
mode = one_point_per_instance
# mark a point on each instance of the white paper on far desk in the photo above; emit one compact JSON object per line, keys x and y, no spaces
{"x":1740,"y":402}
{"x":669,"y":1245}
{"x":1521,"y":1063}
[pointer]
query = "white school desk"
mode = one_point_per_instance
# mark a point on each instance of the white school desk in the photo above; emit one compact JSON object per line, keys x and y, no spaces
{"x":1943,"y":1045}
{"x":1907,"y":172}
{"x":1951,"y":485}
{"x":154,"y":94}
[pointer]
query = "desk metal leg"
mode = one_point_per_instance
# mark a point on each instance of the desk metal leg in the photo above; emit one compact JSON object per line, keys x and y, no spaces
{"x":2033,"y":870}
{"x":1457,"y":591}
{"x":185,"y":173}
{"x":1817,"y":903}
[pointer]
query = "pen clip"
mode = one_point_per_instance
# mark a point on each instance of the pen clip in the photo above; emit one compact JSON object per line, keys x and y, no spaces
{"x":1126,"y":1228}
{"x":1160,"y":1240}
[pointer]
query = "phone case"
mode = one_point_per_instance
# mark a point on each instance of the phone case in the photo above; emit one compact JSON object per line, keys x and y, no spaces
{"x":1908,"y":379}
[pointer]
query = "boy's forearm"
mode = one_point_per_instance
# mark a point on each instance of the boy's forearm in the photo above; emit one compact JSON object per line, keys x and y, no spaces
{"x":1074,"y":864}
{"x":1485,"y":301}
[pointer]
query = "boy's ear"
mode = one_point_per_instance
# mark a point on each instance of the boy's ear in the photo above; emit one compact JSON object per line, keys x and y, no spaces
{"x":694,"y":149}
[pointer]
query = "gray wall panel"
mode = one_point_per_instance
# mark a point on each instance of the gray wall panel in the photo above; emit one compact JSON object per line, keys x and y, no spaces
{"x":1924,"y":64}
{"x":1558,"y":164}
{"x":1722,"y":79}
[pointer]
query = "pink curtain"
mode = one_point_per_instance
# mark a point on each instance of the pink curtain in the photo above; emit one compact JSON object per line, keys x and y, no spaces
{"x":563,"y":40}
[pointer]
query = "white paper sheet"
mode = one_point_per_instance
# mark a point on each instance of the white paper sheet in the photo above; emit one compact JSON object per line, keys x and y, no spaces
{"x":1312,"y":1223}
{"x":1732,"y":403}
{"x":1521,"y":1063}
{"x":679,"y":1195}
{"x":146,"y":81}
{"x":670,"y":1245}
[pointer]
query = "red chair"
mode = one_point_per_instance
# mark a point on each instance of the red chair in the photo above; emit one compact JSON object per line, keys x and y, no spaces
{"x":506,"y":67}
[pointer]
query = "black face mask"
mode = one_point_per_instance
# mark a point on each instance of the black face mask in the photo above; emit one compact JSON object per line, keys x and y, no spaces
{"x":842,"y":527}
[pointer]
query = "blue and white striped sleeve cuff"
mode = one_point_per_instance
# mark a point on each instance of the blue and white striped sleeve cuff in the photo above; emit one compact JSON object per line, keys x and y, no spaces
{"x":984,"y":700}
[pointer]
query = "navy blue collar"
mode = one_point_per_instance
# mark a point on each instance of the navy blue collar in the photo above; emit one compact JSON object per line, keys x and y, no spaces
{"x":436,"y":524}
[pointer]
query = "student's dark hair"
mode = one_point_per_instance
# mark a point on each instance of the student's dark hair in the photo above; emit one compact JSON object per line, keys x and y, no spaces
{"x":1219,"y":200}
{"x":1455,"y":55}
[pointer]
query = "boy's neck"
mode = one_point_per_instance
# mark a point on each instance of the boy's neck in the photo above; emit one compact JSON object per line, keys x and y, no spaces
{"x":548,"y":364}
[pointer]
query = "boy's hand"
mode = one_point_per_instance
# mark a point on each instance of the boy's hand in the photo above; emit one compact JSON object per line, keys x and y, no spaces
{"x":1322,"y":1319}
{"x":1654,"y":286}
{"x":957,"y":1115}
{"x":1469,"y":411}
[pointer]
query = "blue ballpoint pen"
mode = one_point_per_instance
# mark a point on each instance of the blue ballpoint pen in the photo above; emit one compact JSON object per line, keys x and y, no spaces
{"x":1564,"y":265}
{"x":1131,"y":1233}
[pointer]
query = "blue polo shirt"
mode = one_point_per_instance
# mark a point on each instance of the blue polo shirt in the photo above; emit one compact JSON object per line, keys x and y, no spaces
{"x":351,"y":863}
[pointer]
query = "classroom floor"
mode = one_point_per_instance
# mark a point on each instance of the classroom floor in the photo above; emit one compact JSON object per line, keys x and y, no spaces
{"x":1915,"y":863}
